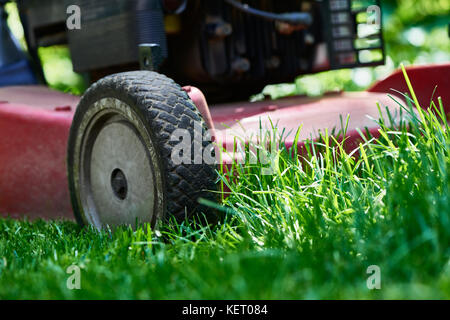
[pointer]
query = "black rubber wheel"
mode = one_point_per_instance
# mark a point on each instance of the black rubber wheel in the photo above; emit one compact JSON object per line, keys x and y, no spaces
{"x":120,"y":165}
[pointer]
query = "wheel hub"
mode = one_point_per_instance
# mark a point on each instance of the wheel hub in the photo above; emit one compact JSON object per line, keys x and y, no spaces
{"x":119,"y":184}
{"x":117,"y":175}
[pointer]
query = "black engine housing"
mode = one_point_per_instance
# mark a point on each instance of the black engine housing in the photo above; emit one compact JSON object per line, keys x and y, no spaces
{"x":210,"y":43}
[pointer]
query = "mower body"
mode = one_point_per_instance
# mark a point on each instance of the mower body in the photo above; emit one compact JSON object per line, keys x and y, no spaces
{"x":35,"y":123}
{"x":223,"y":53}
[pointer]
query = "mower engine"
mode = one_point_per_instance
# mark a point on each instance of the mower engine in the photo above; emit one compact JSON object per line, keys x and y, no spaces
{"x":216,"y":45}
{"x":230,"y":44}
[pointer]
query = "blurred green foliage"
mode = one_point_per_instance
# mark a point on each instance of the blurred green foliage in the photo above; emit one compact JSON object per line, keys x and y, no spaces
{"x":58,"y":70}
{"x":55,"y":60}
{"x":415,"y":32}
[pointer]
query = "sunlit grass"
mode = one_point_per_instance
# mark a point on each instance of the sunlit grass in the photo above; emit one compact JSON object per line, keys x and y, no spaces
{"x":58,"y":70}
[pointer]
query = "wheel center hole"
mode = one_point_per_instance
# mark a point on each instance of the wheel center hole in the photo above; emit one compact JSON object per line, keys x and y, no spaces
{"x":119,"y":184}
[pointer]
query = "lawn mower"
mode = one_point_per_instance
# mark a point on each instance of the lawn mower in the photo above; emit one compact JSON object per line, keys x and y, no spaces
{"x":110,"y":158}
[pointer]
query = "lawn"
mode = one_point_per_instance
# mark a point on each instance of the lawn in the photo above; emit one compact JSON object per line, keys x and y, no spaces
{"x":309,"y":230}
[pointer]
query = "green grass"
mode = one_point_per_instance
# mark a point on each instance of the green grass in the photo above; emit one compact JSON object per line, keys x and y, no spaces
{"x":309,"y":230}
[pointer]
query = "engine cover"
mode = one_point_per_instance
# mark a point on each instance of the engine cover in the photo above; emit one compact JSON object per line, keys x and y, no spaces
{"x":213,"y":44}
{"x":223,"y":46}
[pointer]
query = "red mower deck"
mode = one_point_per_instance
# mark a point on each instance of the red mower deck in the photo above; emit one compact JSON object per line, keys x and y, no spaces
{"x":35,"y":124}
